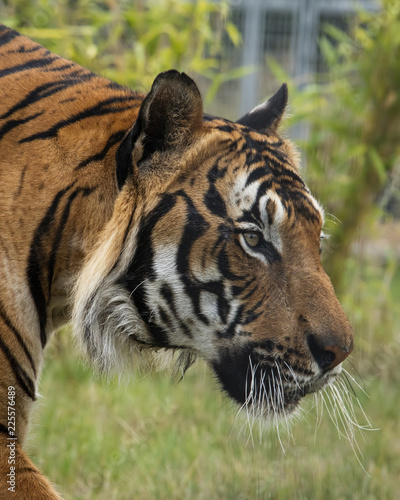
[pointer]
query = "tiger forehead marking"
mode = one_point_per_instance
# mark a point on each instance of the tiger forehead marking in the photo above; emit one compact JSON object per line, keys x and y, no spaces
{"x":257,"y":163}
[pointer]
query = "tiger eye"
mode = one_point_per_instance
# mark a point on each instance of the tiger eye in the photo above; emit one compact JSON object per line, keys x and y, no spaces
{"x":252,"y":239}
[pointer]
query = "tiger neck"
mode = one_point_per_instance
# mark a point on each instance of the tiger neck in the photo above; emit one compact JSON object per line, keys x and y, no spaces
{"x":84,"y":207}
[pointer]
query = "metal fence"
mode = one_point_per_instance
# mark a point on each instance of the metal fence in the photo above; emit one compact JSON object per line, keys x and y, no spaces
{"x":287,"y":30}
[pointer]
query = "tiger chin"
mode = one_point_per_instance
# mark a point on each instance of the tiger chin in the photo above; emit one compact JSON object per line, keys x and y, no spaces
{"x":154,"y":226}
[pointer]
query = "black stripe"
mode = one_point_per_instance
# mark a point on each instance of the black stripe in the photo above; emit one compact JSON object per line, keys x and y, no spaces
{"x":255,"y":142}
{"x":248,"y":217}
{"x":223,"y":307}
{"x":128,"y":227}
{"x":79,"y":73}
{"x":36,"y":259}
{"x":166,"y":320}
{"x":252,"y":314}
{"x":254,"y":157}
{"x":227,"y":127}
{"x":123,"y":155}
{"x":224,"y":268}
{"x":60,"y":230}
{"x":6,"y":35}
{"x":276,"y":151}
{"x":250,"y":293}
{"x":301,"y":202}
{"x":113,"y":139}
{"x":62,"y":67}
{"x":261,"y":191}
{"x":43,"y":91}
{"x":11,"y":124}
{"x":70,"y":99}
{"x":225,"y":232}
{"x":32,"y":64}
{"x":230,"y":331}
{"x":141,"y":266}
{"x":23,"y":50}
{"x":4,"y":429}
{"x":212,"y":198}
{"x":127,"y":230}
{"x":269,"y":251}
{"x":101,"y":108}
{"x":195,"y":227}
{"x":169,"y":298}
{"x":7,"y":321}
{"x":256,"y":175}
{"x":25,"y":382}
{"x":286,"y":175}
{"x":239,"y":289}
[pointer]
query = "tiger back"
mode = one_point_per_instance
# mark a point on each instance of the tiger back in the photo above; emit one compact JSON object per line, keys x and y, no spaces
{"x":153,"y":226}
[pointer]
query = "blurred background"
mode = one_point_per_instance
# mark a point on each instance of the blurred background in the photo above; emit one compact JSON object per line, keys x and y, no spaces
{"x":153,"y":439}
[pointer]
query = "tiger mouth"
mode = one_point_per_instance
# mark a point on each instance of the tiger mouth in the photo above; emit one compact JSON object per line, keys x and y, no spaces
{"x":268,"y":392}
{"x":281,"y":402}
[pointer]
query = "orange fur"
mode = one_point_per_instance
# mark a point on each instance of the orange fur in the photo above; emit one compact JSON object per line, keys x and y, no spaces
{"x":130,"y":215}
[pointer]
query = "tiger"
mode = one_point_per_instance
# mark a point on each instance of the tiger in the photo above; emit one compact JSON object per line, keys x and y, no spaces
{"x":151,"y":226}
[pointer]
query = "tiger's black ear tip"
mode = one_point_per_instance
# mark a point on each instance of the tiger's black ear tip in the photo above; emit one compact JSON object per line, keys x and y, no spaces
{"x":267,"y":116}
{"x":285,"y":90}
{"x":173,"y":75}
{"x":280,"y":99}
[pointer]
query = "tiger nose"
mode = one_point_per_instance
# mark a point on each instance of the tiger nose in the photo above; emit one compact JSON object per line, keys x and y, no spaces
{"x":327,"y":356}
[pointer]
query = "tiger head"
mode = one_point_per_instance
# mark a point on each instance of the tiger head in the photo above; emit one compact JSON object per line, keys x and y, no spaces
{"x":213,"y":249}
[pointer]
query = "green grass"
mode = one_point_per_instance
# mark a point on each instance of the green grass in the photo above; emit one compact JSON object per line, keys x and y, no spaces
{"x":152,"y":439}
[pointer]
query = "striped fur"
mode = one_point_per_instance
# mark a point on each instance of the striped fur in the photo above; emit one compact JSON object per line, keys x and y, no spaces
{"x":153,"y":226}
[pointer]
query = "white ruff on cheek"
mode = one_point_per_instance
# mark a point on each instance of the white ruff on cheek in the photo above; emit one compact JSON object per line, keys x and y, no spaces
{"x":105,"y":321}
{"x":110,"y":330}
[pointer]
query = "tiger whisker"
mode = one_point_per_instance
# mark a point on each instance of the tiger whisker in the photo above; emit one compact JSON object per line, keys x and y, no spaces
{"x":349,"y":397}
{"x":282,"y":394}
{"x":350,"y":435}
{"x":293,"y":375}
{"x":349,"y":376}
{"x":347,"y":382}
{"x":332,"y":411}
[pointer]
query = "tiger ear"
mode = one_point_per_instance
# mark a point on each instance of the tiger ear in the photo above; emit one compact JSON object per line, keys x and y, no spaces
{"x":171,"y":112}
{"x":169,"y":116}
{"x":267,"y":116}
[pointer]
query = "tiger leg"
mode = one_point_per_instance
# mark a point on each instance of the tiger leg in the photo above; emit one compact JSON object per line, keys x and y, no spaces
{"x":19,"y":478}
{"x":19,"y":369}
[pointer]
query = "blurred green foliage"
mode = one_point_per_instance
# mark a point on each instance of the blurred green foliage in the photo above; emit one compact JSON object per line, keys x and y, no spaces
{"x":131,"y":42}
{"x":352,"y":155}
